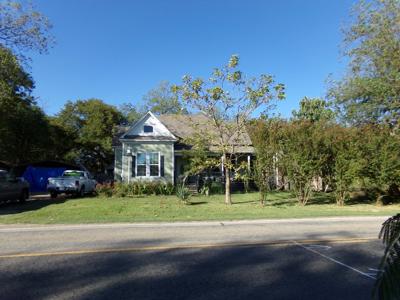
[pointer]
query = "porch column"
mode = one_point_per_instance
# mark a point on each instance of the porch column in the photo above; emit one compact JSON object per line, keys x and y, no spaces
{"x":248,"y":162}
{"x":129,"y":159}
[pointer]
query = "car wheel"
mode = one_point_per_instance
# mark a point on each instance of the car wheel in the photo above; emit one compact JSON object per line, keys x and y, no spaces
{"x":53,"y":195}
{"x":82,"y":192}
{"x":23,"y":196}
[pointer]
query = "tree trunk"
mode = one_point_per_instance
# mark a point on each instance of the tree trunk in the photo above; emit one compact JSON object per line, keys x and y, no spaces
{"x":228,"y":199}
{"x":262,"y":198}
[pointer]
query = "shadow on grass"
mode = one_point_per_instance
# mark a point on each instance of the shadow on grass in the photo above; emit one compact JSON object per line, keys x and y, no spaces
{"x":197,"y":203}
{"x":12,"y":208}
{"x":245,"y":202}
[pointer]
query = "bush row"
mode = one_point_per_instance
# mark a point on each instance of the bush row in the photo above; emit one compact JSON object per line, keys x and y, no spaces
{"x":134,"y":189}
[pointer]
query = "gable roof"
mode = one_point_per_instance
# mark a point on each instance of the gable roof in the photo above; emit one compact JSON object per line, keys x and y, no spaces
{"x":184,"y":126}
{"x":181,"y":127}
{"x":160,"y":133}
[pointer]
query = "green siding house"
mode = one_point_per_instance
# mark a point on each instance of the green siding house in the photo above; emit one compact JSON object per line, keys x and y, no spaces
{"x":151,"y":149}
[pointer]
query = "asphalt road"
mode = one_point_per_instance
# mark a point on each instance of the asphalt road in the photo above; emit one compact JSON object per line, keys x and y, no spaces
{"x":331,"y":258}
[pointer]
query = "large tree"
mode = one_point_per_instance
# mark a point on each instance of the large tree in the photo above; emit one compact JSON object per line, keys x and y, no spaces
{"x":23,"y":28}
{"x":345,"y":160}
{"x":161,"y":100}
{"x":381,"y":158}
{"x":130,"y":113}
{"x":23,"y":125}
{"x":266,"y":135}
{"x":314,"y":110}
{"x":370,"y":91}
{"x":228,"y":99}
{"x":303,"y":155}
{"x":91,"y":124}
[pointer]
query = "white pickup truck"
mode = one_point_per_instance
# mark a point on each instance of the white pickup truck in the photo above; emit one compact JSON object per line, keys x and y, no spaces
{"x":71,"y":182}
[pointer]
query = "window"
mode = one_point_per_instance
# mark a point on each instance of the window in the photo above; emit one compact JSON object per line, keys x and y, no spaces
{"x":72,"y":174}
{"x":148,"y":164}
{"x":154,"y":164}
{"x":141,"y":164}
{"x":147,"y":128}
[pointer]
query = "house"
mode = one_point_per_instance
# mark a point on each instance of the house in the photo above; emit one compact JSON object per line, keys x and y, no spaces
{"x":152,"y":148}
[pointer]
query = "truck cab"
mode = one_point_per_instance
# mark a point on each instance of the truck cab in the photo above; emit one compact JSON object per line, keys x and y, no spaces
{"x":74,"y":182}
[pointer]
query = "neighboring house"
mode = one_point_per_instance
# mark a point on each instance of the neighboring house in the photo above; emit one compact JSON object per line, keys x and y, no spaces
{"x":152,"y":148}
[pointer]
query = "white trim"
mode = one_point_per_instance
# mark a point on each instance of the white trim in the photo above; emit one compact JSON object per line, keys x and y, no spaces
{"x":135,"y":164}
{"x":147,"y":164}
{"x":159,"y":164}
{"x":149,"y":113}
{"x":123,"y":162}
{"x":133,"y":141}
{"x":173,"y":165}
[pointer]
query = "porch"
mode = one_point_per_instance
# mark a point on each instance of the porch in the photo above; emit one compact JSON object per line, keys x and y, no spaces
{"x":213,"y":176}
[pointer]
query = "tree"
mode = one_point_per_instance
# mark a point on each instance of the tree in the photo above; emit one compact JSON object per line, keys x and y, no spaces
{"x":59,"y":140}
{"x":91,"y":123}
{"x":129,"y":113}
{"x":303,"y":155}
{"x":227,"y":99}
{"x":161,"y":100}
{"x":22,"y":28}
{"x":266,"y":135}
{"x":314,"y":110}
{"x":23,"y":125}
{"x":370,"y":92}
{"x":381,"y":158}
{"x":344,"y":161}
{"x":23,"y":132}
{"x":15,"y":82}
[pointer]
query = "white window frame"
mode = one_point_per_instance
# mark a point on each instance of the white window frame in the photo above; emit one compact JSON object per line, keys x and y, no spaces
{"x":136,"y":164}
{"x":147,"y":155}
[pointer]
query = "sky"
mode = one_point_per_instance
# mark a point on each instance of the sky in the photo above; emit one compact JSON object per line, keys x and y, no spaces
{"x":117,"y":50}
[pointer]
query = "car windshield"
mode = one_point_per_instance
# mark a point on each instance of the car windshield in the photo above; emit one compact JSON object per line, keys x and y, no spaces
{"x":73,"y":174}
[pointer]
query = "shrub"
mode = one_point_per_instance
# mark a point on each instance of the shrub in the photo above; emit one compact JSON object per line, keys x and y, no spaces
{"x":183,"y":193}
{"x":104,"y":190}
{"x":217,"y":188}
{"x":140,"y":188}
{"x":121,"y":189}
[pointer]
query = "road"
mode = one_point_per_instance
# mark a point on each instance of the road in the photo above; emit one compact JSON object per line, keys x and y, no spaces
{"x":326,"y":258}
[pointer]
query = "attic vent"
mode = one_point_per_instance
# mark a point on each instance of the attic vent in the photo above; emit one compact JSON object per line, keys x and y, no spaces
{"x":147,"y":128}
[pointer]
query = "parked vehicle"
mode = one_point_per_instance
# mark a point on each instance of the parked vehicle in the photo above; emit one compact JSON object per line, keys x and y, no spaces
{"x":73,"y":182}
{"x":13,"y":188}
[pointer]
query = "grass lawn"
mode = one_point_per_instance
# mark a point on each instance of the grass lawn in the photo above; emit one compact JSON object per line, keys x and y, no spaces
{"x":169,"y":208}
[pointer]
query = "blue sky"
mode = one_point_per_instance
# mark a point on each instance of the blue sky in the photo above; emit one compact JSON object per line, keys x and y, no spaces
{"x":118,"y":50}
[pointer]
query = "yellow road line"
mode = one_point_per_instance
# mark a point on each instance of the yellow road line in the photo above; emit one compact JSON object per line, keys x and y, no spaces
{"x":194,"y":246}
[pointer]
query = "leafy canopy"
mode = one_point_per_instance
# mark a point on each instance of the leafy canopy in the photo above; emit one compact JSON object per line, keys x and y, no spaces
{"x":23,"y":28}
{"x":314,"y":110}
{"x":370,"y":92}
{"x":91,"y":122}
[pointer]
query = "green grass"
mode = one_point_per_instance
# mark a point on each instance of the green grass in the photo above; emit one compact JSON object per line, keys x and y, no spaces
{"x":169,"y":208}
